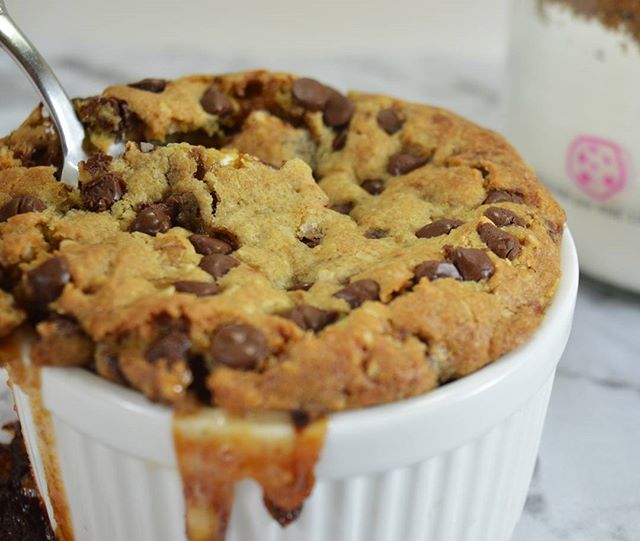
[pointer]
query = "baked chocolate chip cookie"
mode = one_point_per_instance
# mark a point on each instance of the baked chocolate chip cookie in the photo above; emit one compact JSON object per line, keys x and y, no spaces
{"x":268,"y":242}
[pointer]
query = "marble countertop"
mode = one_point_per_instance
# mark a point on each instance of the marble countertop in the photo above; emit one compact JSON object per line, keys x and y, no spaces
{"x":586,"y":486}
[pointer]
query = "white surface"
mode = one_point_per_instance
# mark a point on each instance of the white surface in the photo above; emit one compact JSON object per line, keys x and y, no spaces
{"x":423,"y":26}
{"x":586,"y":484}
{"x":589,"y":92}
{"x":462,"y":455}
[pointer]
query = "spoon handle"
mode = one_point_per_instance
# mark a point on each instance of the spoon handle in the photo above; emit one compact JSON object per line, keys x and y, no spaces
{"x":55,"y":98}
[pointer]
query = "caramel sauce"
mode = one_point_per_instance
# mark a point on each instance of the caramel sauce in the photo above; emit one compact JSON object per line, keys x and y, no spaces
{"x":27,"y":377}
{"x":216,"y":449}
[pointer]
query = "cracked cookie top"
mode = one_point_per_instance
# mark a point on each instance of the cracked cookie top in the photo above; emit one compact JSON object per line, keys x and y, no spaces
{"x":267,"y":242}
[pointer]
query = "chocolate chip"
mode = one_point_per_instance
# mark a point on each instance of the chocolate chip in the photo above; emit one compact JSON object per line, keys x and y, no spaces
{"x":226,"y":236}
{"x":389,"y":120}
{"x":106,"y":114}
{"x":152,"y":220}
{"x":41,"y":153}
{"x":283,"y":516}
{"x":500,"y":196}
{"x":502,"y":243}
{"x":503,"y":217}
{"x":434,"y":270}
{"x":343,"y":208}
{"x":310,"y":318}
{"x":403,"y":163}
{"x":206,"y":245}
{"x":251,"y":90}
{"x":300,"y":419}
{"x":184,"y":211}
{"x":199,"y":374}
{"x":215,"y":102}
{"x":150,"y":85}
{"x":214,"y":203}
{"x":376,"y":233}
{"x":472,"y":263}
{"x":66,"y":326}
{"x":309,"y":93}
{"x":9,"y":277}
{"x":437,"y":228}
{"x":107,"y":364}
{"x":129,"y":120}
{"x":340,"y":140}
{"x":20,"y":204}
{"x":201,"y":169}
{"x":199,"y":289}
{"x":555,"y":230}
{"x":360,"y":291}
{"x":311,"y":241}
{"x":171,"y":347}
{"x":97,"y":164}
{"x":47,"y":281}
{"x":99,"y":195}
{"x":338,"y":111}
{"x":302,"y":286}
{"x":373,"y":186}
{"x":217,"y":265}
{"x":483,"y":171}
{"x":239,"y":346}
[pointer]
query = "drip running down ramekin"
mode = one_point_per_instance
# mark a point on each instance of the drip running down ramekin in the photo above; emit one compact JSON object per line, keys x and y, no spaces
{"x":452,"y":465}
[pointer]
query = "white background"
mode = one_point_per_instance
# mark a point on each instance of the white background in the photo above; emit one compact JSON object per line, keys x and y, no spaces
{"x":462,"y":27}
{"x":91,"y":43}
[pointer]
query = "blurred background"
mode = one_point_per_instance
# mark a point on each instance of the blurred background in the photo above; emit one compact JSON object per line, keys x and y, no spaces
{"x":91,"y":43}
{"x":451,"y":26}
{"x":448,"y":52}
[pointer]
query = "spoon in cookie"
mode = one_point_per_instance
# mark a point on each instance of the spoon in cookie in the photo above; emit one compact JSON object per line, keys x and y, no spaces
{"x":61,"y":111}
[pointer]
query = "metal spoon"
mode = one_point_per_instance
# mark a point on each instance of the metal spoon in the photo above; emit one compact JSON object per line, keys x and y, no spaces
{"x":69,"y":128}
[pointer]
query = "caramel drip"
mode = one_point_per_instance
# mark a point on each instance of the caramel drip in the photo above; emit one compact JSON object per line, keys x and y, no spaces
{"x":11,"y":359}
{"x":28,"y":379}
{"x":215,"y":450}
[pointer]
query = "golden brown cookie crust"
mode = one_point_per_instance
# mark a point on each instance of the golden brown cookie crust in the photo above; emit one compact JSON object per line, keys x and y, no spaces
{"x":325,"y":203}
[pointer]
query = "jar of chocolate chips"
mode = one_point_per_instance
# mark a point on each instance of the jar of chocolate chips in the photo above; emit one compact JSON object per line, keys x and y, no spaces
{"x":574,"y":110}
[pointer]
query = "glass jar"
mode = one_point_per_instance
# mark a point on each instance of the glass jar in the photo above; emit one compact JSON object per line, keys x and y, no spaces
{"x":574,"y":113}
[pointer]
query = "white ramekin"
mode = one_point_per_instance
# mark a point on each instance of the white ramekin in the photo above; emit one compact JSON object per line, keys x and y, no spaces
{"x":452,"y":465}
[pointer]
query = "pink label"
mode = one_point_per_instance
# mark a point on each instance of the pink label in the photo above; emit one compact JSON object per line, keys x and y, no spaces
{"x":598,"y":166}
